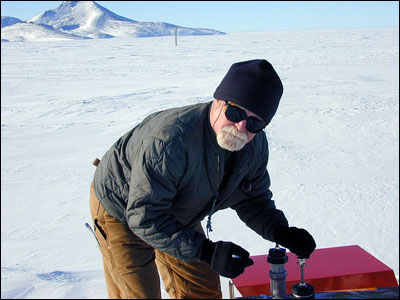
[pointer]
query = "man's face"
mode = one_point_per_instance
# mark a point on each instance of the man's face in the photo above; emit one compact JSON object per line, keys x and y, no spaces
{"x":231,"y":136}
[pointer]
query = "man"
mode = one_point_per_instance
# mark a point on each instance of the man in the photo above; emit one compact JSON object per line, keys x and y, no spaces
{"x":158,"y":181}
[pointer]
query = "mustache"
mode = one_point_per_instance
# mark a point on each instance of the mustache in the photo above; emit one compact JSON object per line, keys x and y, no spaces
{"x":232,"y":131}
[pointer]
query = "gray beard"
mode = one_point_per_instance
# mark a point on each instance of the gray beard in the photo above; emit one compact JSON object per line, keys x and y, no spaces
{"x":229,"y":138}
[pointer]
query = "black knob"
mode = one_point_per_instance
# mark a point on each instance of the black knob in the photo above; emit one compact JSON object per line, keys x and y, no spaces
{"x":303,"y":290}
{"x":277,"y":256}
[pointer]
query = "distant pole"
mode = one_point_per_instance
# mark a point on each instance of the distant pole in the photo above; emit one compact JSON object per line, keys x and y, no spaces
{"x":176,"y":36}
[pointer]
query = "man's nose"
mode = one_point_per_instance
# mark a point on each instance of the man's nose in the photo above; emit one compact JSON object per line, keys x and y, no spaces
{"x":241,"y":126}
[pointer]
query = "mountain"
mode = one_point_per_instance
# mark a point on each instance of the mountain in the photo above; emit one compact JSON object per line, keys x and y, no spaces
{"x":91,"y":20}
{"x":8,"y":21}
{"x":85,"y":18}
{"x":29,"y":32}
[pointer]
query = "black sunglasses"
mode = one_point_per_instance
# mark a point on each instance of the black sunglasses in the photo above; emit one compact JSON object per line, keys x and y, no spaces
{"x":235,"y":114}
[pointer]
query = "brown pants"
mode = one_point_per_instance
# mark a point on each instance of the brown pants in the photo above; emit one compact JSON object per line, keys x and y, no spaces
{"x":131,"y":266}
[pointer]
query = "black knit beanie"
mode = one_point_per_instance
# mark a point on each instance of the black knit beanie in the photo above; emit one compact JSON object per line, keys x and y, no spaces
{"x":254,"y":85}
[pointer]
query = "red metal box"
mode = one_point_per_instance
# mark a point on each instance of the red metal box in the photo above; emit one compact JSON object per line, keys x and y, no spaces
{"x":329,"y":269}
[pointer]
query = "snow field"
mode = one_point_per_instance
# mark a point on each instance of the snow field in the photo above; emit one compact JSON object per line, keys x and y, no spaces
{"x":333,"y":142}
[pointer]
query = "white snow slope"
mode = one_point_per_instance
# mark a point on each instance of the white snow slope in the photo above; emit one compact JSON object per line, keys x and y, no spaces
{"x":334,"y":142}
{"x":30,"y":32}
{"x":8,"y":21}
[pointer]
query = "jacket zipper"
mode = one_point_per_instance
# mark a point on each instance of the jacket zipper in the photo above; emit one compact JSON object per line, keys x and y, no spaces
{"x":242,"y":168}
{"x":209,"y":228}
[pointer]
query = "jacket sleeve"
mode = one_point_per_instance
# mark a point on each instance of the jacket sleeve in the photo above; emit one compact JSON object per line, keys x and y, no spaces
{"x":257,"y":209}
{"x":154,"y":182}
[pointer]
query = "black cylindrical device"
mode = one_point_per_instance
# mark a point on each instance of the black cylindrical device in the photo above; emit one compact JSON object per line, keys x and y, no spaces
{"x":277,"y":258}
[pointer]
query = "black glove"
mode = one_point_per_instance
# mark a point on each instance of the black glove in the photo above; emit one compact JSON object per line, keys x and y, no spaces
{"x":219,"y":256}
{"x":297,"y":240}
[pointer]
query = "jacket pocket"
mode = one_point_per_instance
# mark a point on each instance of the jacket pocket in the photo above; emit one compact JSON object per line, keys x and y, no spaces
{"x":100,"y":232}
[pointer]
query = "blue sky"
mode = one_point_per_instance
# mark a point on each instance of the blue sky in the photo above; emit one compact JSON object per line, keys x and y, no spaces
{"x":238,"y":16}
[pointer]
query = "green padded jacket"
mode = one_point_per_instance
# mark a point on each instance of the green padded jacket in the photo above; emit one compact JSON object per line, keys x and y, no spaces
{"x":168,"y":173}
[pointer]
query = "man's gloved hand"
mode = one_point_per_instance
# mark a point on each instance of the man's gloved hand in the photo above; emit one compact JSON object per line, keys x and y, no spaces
{"x":297,"y":240}
{"x":219,"y":256}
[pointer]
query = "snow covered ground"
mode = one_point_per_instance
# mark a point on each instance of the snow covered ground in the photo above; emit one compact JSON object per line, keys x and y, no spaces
{"x":334,"y":141}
